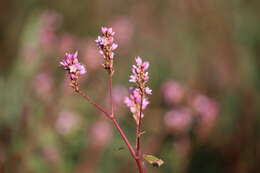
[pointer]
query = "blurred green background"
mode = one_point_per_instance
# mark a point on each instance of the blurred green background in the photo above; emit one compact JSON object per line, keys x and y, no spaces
{"x":205,"y":76}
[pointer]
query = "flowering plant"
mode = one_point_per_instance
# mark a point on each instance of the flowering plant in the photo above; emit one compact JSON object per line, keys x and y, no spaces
{"x":137,"y":100}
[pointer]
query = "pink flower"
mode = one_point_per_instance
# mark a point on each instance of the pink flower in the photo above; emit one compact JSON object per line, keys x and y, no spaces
{"x":72,"y":65}
{"x":134,"y":103}
{"x":107,"y":31}
{"x":204,"y":106}
{"x":139,"y":74}
{"x":106,"y":46}
{"x":138,"y":101}
{"x":207,"y":110}
{"x":178,"y":120}
{"x":173,"y":91}
{"x":148,"y":91}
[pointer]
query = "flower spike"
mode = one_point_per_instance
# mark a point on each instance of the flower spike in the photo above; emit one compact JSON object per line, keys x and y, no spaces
{"x":138,"y":101}
{"x":75,"y":69}
{"x":106,"y":46}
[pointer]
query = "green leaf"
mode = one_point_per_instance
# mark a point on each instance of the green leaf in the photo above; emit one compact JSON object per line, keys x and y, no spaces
{"x":156,"y":162}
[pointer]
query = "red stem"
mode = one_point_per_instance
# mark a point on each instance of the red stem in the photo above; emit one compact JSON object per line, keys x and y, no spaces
{"x":131,"y":149}
{"x":94,"y":104}
{"x":111,"y":95}
{"x":138,"y":131}
{"x":122,"y":133}
{"x":139,"y":165}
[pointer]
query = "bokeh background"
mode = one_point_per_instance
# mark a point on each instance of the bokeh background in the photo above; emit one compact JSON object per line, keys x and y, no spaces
{"x":205,"y":76}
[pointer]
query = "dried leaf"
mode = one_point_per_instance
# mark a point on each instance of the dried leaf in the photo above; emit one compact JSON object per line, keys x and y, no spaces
{"x":156,"y":162}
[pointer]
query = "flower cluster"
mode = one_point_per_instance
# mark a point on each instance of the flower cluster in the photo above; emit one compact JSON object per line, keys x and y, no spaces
{"x":134,"y":103}
{"x":106,"y":46}
{"x":74,"y":68}
{"x":179,"y":120}
{"x":138,"y":101}
{"x":139,"y":76}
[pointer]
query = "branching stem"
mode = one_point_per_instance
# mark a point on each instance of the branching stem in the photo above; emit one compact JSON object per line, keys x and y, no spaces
{"x":97,"y":106}
{"x":118,"y":127}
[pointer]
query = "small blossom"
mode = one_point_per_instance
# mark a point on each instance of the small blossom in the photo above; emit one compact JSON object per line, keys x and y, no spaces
{"x":106,"y":46}
{"x":145,"y":103}
{"x":148,"y":91}
{"x":134,"y":103}
{"x":138,"y":61}
{"x":107,"y":31}
{"x":74,"y":68}
{"x":114,"y":46}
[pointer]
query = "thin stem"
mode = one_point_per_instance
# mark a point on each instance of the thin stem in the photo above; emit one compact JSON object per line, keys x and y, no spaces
{"x":131,"y":149}
{"x":122,"y":133}
{"x":138,"y":131}
{"x":97,"y":106}
{"x":139,"y":165}
{"x":111,"y":94}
